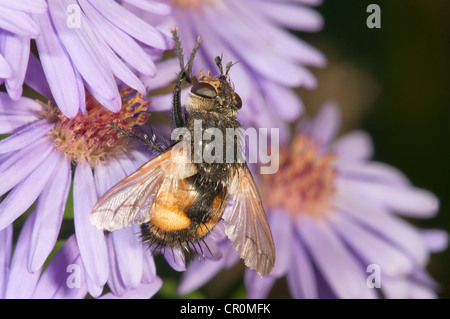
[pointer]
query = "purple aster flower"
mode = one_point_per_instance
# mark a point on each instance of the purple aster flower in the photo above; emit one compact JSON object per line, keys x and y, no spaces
{"x":334,"y":216}
{"x":35,"y":164}
{"x":17,"y":282}
{"x":16,"y":30}
{"x":271,"y":60}
{"x":89,"y":43}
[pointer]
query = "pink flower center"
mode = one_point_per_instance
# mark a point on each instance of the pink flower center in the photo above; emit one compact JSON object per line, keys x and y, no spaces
{"x":91,"y":136}
{"x":304,"y":183}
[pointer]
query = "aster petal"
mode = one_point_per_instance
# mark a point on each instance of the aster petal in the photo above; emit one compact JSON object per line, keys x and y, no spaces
{"x":121,"y":70}
{"x":20,"y":164}
{"x":280,"y":40}
{"x":115,"y":282}
{"x":54,"y":282}
{"x":21,"y":283}
{"x":93,"y":289}
{"x":405,"y":288}
{"x":175,"y":258}
{"x":21,"y":197}
{"x":353,"y":146}
{"x":418,"y":291}
{"x":132,"y":25}
{"x":372,"y":248}
{"x":5,"y":68}
{"x":129,"y":255}
{"x":435,"y":239}
{"x":398,"y":232}
{"x":326,"y":123}
{"x":257,"y":287}
{"x":289,"y":107}
{"x":301,"y":277}
{"x":35,"y":74}
{"x":31,"y":6}
{"x":289,"y":15}
{"x":376,"y":172}
{"x":163,"y":102}
{"x":340,"y":269}
{"x":119,"y":41}
{"x":144,"y":291}
{"x":16,"y":114}
{"x":91,"y":240}
{"x":209,"y":248}
{"x":24,"y":106}
{"x":241,"y":74}
{"x":58,"y":68}
{"x":26,"y":136}
{"x":18,"y":23}
{"x":151,"y":6}
{"x":16,"y":50}
{"x":270,"y":65}
{"x":149,"y":268}
{"x":408,"y":201}
{"x":197,"y":274}
{"x":281,"y":226}
{"x":82,"y":44}
{"x":167,"y":73}
{"x":49,"y":214}
{"x":6,"y":238}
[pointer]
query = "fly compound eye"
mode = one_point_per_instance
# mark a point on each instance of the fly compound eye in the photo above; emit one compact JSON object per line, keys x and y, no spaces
{"x":204,"y":90}
{"x":238,"y":101}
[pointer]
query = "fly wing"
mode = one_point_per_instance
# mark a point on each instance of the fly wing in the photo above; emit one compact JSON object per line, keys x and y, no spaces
{"x":247,"y":226}
{"x":130,"y":201}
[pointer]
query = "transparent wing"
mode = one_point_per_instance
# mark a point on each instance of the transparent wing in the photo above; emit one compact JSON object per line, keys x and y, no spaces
{"x":247,"y":226}
{"x":130,"y":201}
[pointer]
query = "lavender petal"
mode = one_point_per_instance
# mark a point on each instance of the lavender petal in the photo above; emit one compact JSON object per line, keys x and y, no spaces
{"x":372,"y":248}
{"x":197,"y":274}
{"x":326,"y":123}
{"x":257,"y":287}
{"x":341,"y":270}
{"x":20,"y":164}
{"x":144,"y":291}
{"x":119,"y":41}
{"x":25,"y":136}
{"x":21,"y":197}
{"x":151,"y":6}
{"x":18,"y":23}
{"x":301,"y":277}
{"x":17,"y":51}
{"x":435,"y":239}
{"x":129,"y":255}
{"x":49,"y":214}
{"x":82,"y":45}
{"x":30,"y":6}
{"x":91,"y":240}
{"x":35,"y":74}
{"x":21,"y":283}
{"x":56,"y":281}
{"x":406,"y":200}
{"x":6,"y":238}
{"x":398,"y":232}
{"x":60,"y":75}
{"x":5,"y":68}
{"x":353,"y":146}
{"x":132,"y":25}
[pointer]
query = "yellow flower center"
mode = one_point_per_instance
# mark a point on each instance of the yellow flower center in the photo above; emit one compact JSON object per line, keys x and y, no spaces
{"x":91,"y":137}
{"x":304,"y":183}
